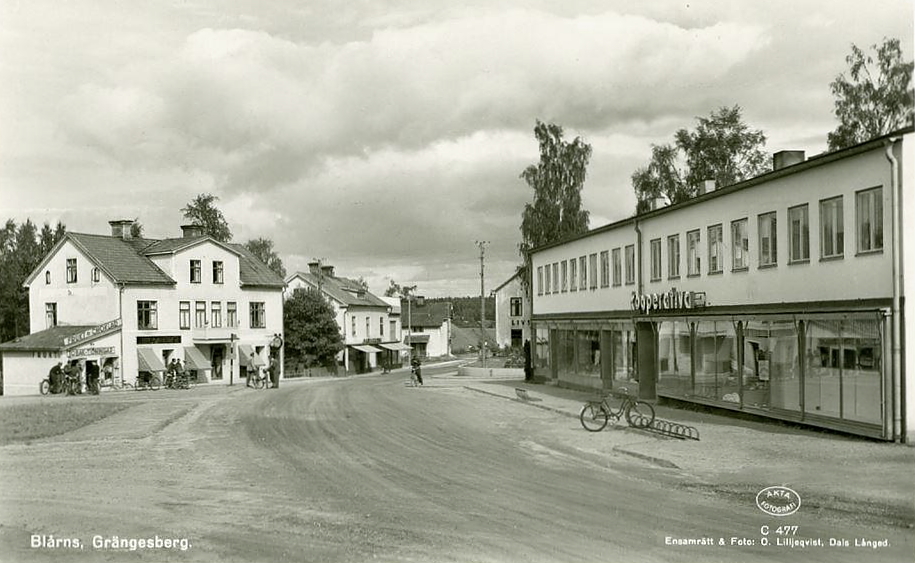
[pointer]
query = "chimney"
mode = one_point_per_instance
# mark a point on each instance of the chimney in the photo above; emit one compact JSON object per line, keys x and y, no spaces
{"x":121,"y":228}
{"x":783,"y":159}
{"x":705,"y":187}
{"x":420,"y":301}
{"x":191,"y":231}
{"x":327,"y":271}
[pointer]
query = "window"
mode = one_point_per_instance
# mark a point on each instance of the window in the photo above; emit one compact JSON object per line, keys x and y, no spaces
{"x":693,"y":260}
{"x":146,"y":315}
{"x":547,"y":279}
{"x":740,"y":245}
{"x":617,"y":267}
{"x":184,"y":315}
{"x":393,"y":328}
{"x":583,"y":271}
{"x":715,"y":243}
{"x":71,"y":270}
{"x":630,"y":264}
{"x":832,"y":231}
{"x":555,"y":277}
{"x":217,"y":271}
{"x":869,"y":219}
{"x":352,"y":325}
{"x":515,"y":306}
{"x":216,"y":314}
{"x":673,"y":256}
{"x":573,"y":274}
{"x":96,"y":275}
{"x":799,"y":234}
{"x":258,"y":316}
{"x":367,"y":321}
{"x":605,"y":268}
{"x":200,"y":314}
{"x":47,"y":277}
{"x":656,"y":259}
{"x":565,"y":276}
{"x":768,"y":244}
{"x":381,"y":326}
{"x":231,"y":314}
{"x":539,"y":280}
{"x":592,"y":265}
{"x":195,"y":271}
{"x":50,"y":313}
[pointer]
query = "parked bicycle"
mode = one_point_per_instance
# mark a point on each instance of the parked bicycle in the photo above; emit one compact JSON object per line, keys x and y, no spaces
{"x":120,"y":383}
{"x":259,"y":380}
{"x":68,"y":385}
{"x":149,"y":381}
{"x":595,"y":415}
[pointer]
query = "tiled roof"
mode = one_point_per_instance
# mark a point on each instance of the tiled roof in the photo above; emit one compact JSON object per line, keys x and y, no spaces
{"x":253,"y":271}
{"x":170,"y":245}
{"x":428,"y":314}
{"x":119,"y":259}
{"x":343,"y":290}
{"x":50,"y":339}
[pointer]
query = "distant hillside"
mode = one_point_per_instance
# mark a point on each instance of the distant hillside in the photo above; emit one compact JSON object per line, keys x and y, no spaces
{"x":466,"y":310}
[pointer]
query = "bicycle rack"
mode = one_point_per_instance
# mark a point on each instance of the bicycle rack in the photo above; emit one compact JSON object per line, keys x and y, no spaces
{"x":668,"y":428}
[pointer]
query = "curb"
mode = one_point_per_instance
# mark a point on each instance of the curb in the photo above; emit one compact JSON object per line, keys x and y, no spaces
{"x":660,"y":462}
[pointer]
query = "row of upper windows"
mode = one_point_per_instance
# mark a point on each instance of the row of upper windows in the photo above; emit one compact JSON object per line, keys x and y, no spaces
{"x":148,"y":317}
{"x":561,"y":276}
{"x":72,"y":273}
{"x":195,"y":276}
{"x":368,"y":326}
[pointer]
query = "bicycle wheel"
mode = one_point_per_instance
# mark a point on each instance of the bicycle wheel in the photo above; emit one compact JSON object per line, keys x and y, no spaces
{"x":155,"y":383}
{"x":640,"y":414}
{"x":594,"y":416}
{"x":45,"y":387}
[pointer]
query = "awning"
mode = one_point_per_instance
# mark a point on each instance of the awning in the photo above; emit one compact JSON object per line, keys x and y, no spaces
{"x":149,"y":361}
{"x":367,"y":349}
{"x":417,"y":339}
{"x":244,"y":354}
{"x":194,"y":358}
{"x":395,"y":346}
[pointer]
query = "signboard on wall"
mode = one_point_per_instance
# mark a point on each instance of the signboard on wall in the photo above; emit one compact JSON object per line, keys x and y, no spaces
{"x":672,"y":300}
{"x":92,"y":333}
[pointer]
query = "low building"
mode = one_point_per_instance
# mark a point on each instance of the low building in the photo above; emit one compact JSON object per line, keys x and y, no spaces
{"x":123,"y":306}
{"x":780,"y":296}
{"x":369,"y":326}
{"x":512,"y":314}
{"x":428,"y":331}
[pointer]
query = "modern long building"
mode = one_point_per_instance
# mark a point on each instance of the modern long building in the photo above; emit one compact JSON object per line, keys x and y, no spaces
{"x":781,"y":296}
{"x":121,"y":306}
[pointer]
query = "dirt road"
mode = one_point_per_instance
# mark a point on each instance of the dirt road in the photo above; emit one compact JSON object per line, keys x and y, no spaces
{"x":367,"y":469}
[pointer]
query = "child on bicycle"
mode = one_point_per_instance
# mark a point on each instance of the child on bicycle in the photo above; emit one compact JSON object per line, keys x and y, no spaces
{"x":417,"y":370}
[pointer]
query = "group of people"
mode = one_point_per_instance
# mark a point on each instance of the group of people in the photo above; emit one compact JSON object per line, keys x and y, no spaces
{"x":254,"y":370}
{"x":73,"y":372}
{"x":175,"y":373}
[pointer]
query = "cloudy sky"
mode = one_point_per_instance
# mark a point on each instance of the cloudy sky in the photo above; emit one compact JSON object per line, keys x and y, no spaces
{"x":387,"y":136}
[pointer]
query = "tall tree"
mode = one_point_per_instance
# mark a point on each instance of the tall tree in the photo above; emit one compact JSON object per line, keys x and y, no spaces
{"x":312,"y":334}
{"x":203,"y":211}
{"x":875,"y":98}
{"x":393,"y":290}
{"x":263,"y":249}
{"x":722,"y":148}
{"x":136,"y":229}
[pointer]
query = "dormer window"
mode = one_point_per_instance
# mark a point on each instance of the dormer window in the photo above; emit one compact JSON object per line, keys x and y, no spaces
{"x":195,"y":271}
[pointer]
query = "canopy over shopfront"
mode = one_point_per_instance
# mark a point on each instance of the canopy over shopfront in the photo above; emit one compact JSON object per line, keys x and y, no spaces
{"x":194,"y":359}
{"x":245,"y":351}
{"x":367,"y":349}
{"x":395,"y":346}
{"x":148,"y":360}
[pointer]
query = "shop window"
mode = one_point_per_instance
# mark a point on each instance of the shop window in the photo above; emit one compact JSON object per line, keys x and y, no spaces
{"x":617,"y":267}
{"x":565,"y":351}
{"x":542,"y":348}
{"x":655,"y":251}
{"x":147,"y":318}
{"x":673,"y":257}
{"x":71,"y":270}
{"x":184,"y":315}
{"x":674,"y":353}
{"x":869,"y":219}
{"x":258,"y":315}
{"x":583,"y":272}
{"x":717,"y":370}
{"x":630,"y":264}
{"x":195,"y":271}
{"x":692,"y":253}
{"x":798,"y":234}
{"x":715,"y":247}
{"x":768,"y":243}
{"x":623,"y":342}
{"x":740,"y":245}
{"x":587,"y":353}
{"x":605,"y":268}
{"x":832,"y":230}
{"x":573,"y":275}
{"x":770,"y":365}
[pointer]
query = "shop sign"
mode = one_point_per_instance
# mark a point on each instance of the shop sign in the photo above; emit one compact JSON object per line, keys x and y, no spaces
{"x":668,"y":301}
{"x":91,"y":333}
{"x":371,"y":341}
{"x":87,"y":352}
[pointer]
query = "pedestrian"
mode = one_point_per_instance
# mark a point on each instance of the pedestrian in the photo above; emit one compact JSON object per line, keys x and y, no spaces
{"x":250,"y":369}
{"x":274,"y":371}
{"x":528,"y":362}
{"x":81,"y":374}
{"x":415,"y":365}
{"x":55,"y":376}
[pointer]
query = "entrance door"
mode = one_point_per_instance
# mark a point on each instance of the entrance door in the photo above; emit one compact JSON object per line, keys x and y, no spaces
{"x":217,"y":355}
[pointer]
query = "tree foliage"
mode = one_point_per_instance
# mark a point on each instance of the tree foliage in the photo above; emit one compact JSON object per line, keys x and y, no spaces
{"x":393,"y":290}
{"x":722,"y":148}
{"x":263,"y":249}
{"x":203,"y":211}
{"x":875,"y":98}
{"x":312,"y":334}
{"x":22,"y":248}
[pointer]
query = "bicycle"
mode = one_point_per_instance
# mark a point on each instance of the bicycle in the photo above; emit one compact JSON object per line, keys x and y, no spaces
{"x":595,"y":415}
{"x":259,"y":381}
{"x":118,"y":383}
{"x":151,"y":382}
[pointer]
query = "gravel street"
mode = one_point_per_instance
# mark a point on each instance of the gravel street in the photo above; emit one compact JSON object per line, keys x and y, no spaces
{"x":364,"y":468}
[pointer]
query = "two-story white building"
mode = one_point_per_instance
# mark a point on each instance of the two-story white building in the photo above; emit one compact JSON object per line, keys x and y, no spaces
{"x":512,"y":313}
{"x":429,"y":326}
{"x":781,"y":296}
{"x":122,"y":305}
{"x":370,"y":327}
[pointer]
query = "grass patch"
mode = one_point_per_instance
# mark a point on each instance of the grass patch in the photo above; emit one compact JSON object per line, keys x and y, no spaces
{"x":22,"y":423}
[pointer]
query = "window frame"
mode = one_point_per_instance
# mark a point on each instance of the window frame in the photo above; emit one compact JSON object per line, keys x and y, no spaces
{"x":515,"y":307}
{"x":184,"y":315}
{"x":629,"y":251}
{"x":564,"y":272}
{"x":832,"y":210}
{"x":257,"y":314}
{"x":218,"y":272}
{"x":50,"y":314}
{"x":195,"y":271}
{"x":232,"y":314}
{"x":200,"y":314}
{"x":715,"y":249}
{"x":803,"y":237}
{"x":654,"y":251}
{"x":740,"y":247}
{"x":617,"y":259}
{"x":216,"y":314}
{"x":592,"y":265}
{"x":876,"y":209}
{"x":673,"y":257}
{"x":72,"y":273}
{"x":150,"y":310}
{"x":605,"y":268}
{"x":583,"y":273}
{"x":767,"y":259}
{"x":573,"y":274}
{"x":693,"y":255}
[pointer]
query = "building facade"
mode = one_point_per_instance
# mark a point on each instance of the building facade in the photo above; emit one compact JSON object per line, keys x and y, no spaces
{"x":780,"y":296}
{"x":428,"y":332}
{"x":512,"y":314}
{"x":120,"y":306}
{"x":369,"y":326}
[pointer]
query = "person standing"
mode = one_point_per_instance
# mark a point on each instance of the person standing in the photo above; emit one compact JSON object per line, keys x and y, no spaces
{"x":415,"y":364}
{"x":528,"y":362}
{"x":274,"y":371}
{"x":55,"y":376}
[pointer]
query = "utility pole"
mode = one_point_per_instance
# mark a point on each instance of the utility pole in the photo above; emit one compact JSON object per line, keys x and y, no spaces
{"x":407,"y":291}
{"x":482,"y":244}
